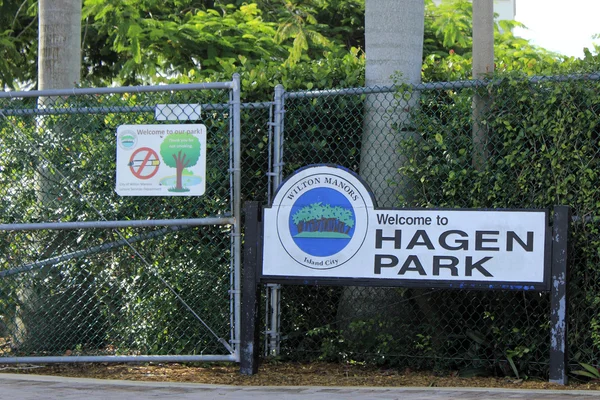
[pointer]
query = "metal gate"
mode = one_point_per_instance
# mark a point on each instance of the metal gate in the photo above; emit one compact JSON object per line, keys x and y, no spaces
{"x":87,"y":275}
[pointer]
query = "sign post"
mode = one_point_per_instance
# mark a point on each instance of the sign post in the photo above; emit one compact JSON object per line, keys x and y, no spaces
{"x":558,"y":296}
{"x":250,"y":311}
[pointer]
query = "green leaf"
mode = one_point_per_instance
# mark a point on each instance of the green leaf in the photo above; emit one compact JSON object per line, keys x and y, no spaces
{"x":586,"y":374}
{"x":592,"y":370}
{"x":513,"y":366}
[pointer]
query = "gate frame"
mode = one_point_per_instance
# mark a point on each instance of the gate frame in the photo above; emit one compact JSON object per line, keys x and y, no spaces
{"x":234,"y":106}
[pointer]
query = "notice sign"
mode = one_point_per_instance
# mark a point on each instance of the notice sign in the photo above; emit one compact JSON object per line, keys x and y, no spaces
{"x":323,"y":227}
{"x":161,"y":160}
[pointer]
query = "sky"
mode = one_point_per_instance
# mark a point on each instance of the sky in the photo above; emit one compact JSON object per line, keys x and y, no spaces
{"x":563,"y":26}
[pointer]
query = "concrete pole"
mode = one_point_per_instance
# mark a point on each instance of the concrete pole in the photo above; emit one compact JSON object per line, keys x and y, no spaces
{"x":483,"y":38}
{"x":483,"y":66}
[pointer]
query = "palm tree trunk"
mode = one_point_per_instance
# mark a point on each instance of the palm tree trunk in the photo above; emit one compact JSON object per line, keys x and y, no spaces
{"x":59,"y":52}
{"x":394,"y":44}
{"x":59,"y":65}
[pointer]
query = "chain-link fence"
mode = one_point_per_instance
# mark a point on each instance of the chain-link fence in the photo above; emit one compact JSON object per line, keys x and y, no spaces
{"x":512,"y":143}
{"x":169,"y":290}
{"x":85,"y":272}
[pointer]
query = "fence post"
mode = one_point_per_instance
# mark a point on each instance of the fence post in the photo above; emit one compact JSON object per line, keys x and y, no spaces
{"x":273,"y":290}
{"x":558,"y":296}
{"x":278,"y":137}
{"x":237,"y":213}
{"x":252,"y":245}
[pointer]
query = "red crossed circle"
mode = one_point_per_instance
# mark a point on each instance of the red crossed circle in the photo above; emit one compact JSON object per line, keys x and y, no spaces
{"x":144,"y":163}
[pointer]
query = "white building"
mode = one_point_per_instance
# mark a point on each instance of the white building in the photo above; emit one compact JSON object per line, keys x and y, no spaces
{"x":506,"y":9}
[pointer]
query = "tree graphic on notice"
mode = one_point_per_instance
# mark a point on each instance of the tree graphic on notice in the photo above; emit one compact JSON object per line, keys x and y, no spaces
{"x":318,"y":220}
{"x":180,"y":151}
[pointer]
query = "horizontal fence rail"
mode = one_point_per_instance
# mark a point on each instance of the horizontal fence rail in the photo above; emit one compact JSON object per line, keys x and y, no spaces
{"x":116,"y":224}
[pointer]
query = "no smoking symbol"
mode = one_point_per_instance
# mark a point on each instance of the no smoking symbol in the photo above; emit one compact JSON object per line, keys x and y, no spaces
{"x":144,"y":163}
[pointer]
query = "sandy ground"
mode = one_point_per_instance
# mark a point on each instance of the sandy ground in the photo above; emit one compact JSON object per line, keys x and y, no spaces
{"x":285,"y":374}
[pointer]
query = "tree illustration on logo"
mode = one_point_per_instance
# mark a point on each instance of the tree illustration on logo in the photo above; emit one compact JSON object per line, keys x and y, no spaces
{"x":317,"y":220}
{"x":180,"y":151}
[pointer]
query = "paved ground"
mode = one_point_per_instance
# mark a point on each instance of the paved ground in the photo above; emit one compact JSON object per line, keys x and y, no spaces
{"x":26,"y":387}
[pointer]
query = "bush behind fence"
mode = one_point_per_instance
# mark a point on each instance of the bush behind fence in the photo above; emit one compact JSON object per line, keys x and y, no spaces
{"x":107,"y":292}
{"x":414,"y":145}
{"x":540,"y":149}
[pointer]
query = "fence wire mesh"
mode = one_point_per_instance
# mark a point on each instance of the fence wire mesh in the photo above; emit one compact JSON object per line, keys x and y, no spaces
{"x":155,"y":290}
{"x":511,"y":143}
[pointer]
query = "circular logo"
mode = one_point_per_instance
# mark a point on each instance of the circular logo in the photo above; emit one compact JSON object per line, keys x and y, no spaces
{"x":322,"y":219}
{"x":127,"y":139}
{"x":322,"y":222}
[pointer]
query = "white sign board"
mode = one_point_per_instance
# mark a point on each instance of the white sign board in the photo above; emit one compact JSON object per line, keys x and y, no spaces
{"x":161,"y":160}
{"x":323,"y":224}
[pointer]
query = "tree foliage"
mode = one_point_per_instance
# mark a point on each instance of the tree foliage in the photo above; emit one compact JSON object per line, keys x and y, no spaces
{"x":147,"y":41}
{"x":319,"y":217}
{"x":18,"y":40}
{"x":449,"y":40}
{"x":153,"y":44}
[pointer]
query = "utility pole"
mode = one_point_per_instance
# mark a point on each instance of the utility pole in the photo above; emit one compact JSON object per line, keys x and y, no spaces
{"x":483,"y":66}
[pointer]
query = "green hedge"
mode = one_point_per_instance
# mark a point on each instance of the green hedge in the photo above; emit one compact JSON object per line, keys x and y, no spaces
{"x":543,"y":150}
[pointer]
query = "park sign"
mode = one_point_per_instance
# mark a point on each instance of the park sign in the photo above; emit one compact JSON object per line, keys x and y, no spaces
{"x":161,"y":160}
{"x":323,"y":228}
